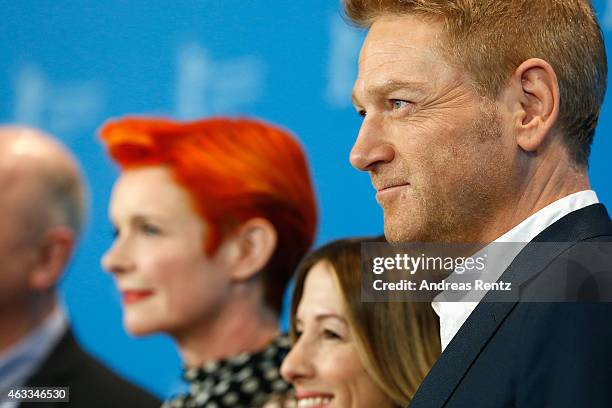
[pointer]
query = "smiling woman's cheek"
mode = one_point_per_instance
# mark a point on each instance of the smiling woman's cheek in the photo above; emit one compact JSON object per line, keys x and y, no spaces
{"x":341,"y":369}
{"x":324,"y":361}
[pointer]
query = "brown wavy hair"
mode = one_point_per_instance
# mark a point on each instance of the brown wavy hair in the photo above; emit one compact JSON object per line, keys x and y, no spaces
{"x":397,"y":342}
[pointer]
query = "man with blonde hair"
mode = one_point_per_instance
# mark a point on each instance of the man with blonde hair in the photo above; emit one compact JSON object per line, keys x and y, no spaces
{"x":42,"y":200}
{"x":478,"y":118}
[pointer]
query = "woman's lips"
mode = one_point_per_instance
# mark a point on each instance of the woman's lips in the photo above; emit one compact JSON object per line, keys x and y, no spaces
{"x":313,"y":399}
{"x":133,"y":296}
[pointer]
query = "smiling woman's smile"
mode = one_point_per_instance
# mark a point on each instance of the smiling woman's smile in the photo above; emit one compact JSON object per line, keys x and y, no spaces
{"x":324,"y":365}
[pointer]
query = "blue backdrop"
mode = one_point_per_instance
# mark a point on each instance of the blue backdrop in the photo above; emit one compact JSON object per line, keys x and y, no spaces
{"x":67,"y":66}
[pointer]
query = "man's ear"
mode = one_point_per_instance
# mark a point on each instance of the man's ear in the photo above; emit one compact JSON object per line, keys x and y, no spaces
{"x":54,"y":253}
{"x":254,"y":244}
{"x":534,"y":93}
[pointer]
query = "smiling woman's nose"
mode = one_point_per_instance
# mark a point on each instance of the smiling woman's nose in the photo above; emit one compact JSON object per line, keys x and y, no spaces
{"x":297,"y":366}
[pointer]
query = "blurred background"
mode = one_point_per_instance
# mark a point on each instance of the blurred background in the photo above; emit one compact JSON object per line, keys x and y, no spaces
{"x":67,"y":66}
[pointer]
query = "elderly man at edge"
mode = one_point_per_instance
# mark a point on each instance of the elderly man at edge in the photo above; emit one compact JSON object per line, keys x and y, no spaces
{"x":41,"y":214}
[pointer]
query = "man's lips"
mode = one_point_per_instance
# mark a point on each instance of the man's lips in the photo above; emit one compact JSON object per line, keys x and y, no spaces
{"x":133,"y":296}
{"x":386,"y":191}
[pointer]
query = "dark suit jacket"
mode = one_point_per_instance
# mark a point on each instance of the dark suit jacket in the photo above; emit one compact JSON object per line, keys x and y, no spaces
{"x":536,"y":354}
{"x":91,"y":384}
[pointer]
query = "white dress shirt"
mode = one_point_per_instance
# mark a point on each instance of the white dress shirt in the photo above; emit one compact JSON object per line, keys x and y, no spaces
{"x":22,"y":360}
{"x":454,"y":314}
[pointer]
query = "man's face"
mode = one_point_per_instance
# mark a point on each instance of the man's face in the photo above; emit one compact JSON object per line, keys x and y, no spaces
{"x":18,"y":243}
{"x":435,"y":149}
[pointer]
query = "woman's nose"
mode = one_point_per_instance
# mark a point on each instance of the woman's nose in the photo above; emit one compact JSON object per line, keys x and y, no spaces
{"x":116,"y":259}
{"x":297,"y":366}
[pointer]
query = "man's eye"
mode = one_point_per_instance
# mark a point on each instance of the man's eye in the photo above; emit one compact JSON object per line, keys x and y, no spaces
{"x":399,"y":104}
{"x":115,"y":232}
{"x":362,"y":113}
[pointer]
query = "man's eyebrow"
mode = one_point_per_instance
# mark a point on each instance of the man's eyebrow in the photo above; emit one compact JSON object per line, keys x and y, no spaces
{"x":389,"y":86}
{"x":394,"y":84}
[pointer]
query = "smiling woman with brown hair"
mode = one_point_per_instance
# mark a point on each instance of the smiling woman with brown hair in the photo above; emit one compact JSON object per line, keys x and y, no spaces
{"x":351,"y":353}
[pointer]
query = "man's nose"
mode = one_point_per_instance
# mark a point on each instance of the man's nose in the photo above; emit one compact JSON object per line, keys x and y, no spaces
{"x":370,"y":149}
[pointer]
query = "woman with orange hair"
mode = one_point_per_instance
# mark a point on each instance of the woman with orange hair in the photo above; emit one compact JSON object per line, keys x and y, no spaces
{"x":211,"y":219}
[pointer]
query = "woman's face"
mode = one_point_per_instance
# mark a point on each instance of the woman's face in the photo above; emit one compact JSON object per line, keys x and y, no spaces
{"x":167,"y":282}
{"x":323,"y":365}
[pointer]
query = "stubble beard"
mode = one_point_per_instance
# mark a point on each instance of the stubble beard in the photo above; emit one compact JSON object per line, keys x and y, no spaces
{"x":461,"y":213}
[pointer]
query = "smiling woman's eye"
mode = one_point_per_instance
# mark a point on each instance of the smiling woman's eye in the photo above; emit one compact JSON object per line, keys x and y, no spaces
{"x":361,"y":112}
{"x":332,"y":335}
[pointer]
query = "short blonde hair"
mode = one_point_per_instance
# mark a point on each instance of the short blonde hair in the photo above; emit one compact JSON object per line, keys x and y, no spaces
{"x":397,"y":342}
{"x":491,"y":38}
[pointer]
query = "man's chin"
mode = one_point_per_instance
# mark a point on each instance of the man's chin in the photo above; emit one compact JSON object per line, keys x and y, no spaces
{"x":397,"y":233}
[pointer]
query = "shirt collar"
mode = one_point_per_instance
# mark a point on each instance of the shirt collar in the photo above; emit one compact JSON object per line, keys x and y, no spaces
{"x":529,"y":228}
{"x":19,"y":362}
{"x":453,"y":314}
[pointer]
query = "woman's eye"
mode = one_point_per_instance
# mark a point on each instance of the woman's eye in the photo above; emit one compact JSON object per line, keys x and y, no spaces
{"x":362,"y":113}
{"x":330,"y":334}
{"x":149,"y":229}
{"x":115,"y":232}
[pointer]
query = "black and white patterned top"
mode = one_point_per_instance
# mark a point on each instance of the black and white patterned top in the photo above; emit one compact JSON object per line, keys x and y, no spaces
{"x":242,"y":381}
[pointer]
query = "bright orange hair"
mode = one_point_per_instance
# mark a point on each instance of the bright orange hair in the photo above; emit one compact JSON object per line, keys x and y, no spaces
{"x":234,"y":170}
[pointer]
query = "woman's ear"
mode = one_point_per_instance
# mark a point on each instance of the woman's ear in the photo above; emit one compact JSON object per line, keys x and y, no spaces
{"x":254,"y":244}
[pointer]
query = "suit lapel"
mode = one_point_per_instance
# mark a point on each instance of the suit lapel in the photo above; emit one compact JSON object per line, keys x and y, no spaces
{"x":481,"y":325}
{"x":59,"y":365}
